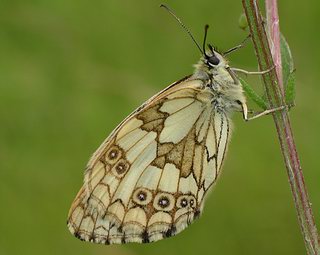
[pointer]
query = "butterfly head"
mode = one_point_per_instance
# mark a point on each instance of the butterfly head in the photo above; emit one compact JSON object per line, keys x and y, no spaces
{"x":212,"y":58}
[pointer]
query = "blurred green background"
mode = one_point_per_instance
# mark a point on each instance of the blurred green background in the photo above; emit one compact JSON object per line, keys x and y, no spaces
{"x":70,"y":71}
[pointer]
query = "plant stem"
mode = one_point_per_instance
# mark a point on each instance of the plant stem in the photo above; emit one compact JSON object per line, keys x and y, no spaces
{"x":274,"y":90}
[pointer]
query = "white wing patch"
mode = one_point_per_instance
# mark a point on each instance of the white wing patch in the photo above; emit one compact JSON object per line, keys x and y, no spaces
{"x":172,"y":106}
{"x":186,"y":115}
{"x":148,"y":180}
{"x":140,"y":146}
{"x":141,"y":162}
{"x":131,"y":125}
{"x":188,"y":185}
{"x":169,"y":178}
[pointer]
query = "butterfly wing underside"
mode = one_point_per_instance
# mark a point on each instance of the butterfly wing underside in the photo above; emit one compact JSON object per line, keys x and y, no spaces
{"x":148,"y":180}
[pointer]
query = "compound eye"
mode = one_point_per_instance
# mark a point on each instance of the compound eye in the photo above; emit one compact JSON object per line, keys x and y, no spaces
{"x":213,"y":60}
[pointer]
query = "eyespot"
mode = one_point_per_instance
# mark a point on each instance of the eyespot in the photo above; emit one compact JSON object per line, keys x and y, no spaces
{"x":142,"y":196}
{"x":164,"y":202}
{"x":186,"y":201}
{"x":192,"y":202}
{"x":120,"y":168}
{"x":113,"y":154}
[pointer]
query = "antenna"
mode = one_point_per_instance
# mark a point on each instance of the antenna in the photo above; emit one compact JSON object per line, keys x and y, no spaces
{"x":206,"y":27}
{"x":242,"y":44}
{"x":183,"y":26}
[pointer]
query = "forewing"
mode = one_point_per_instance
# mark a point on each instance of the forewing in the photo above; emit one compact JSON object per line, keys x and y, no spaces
{"x":148,"y":179}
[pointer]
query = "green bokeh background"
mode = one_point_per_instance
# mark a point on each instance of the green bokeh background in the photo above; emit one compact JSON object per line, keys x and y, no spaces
{"x":70,"y":71}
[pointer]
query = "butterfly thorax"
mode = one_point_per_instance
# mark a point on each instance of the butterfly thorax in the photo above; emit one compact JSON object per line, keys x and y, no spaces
{"x":223,"y":84}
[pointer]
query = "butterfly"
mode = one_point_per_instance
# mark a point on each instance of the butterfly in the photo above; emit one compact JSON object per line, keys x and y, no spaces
{"x":148,"y":180}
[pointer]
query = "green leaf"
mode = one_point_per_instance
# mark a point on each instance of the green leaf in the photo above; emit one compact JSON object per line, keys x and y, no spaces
{"x":253,"y":95}
{"x":287,"y":70}
{"x":243,"y":23}
{"x":290,"y":89}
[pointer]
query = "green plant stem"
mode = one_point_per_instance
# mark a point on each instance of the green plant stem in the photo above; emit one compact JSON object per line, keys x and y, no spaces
{"x":283,"y":126}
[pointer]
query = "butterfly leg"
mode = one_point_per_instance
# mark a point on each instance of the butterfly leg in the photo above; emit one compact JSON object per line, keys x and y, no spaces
{"x":266,"y":112}
{"x":238,"y":70}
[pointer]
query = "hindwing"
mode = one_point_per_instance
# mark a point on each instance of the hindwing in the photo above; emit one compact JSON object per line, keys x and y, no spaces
{"x":148,"y":179}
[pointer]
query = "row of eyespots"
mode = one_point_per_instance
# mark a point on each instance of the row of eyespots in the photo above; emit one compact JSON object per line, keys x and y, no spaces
{"x":163,"y":201}
{"x":119,"y":165}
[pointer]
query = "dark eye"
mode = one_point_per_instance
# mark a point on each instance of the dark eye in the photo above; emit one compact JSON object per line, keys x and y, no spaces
{"x":213,"y":60}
